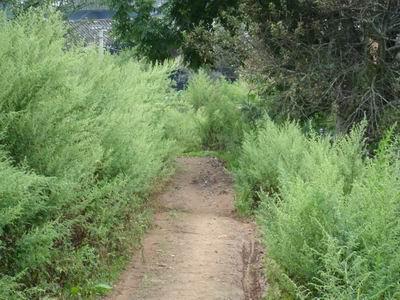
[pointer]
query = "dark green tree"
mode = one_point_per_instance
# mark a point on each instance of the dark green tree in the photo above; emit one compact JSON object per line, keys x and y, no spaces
{"x":137,"y":24}
{"x":161,"y":34}
{"x":333,"y":61}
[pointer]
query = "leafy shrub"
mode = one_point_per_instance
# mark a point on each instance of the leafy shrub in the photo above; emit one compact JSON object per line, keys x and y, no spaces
{"x":264,"y":152}
{"x":84,"y":140}
{"x":219,"y":103}
{"x":273,"y":151}
{"x":329,"y":217}
{"x":180,"y":122}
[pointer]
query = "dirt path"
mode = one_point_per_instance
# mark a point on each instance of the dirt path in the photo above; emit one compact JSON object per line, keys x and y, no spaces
{"x":197,"y":249}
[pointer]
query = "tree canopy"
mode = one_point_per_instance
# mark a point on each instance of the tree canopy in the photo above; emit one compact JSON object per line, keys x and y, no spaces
{"x":160,"y":34}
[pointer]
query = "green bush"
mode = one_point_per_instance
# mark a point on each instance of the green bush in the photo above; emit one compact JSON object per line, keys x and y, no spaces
{"x":328,"y":216}
{"x":84,"y":139}
{"x":221,"y":120}
{"x":275,"y":151}
{"x":180,"y":121}
{"x":264,"y":152}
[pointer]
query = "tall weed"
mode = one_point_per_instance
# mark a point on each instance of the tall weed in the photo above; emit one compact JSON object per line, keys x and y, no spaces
{"x":264,"y":153}
{"x":84,"y":139}
{"x":328,"y":213}
{"x":221,"y":120}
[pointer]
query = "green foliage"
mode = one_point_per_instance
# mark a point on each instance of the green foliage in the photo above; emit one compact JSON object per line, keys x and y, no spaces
{"x":329,"y":217}
{"x":258,"y":169}
{"x":219,"y":104}
{"x":84,"y":139}
{"x":136,"y":26}
{"x":333,"y":62}
{"x":189,"y":16}
{"x":336,"y":61}
{"x":162,"y":33}
{"x":182,"y":124}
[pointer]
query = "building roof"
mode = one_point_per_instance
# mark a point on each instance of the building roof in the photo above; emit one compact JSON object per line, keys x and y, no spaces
{"x":94,"y":14}
{"x":90,"y":31}
{"x":88,"y":25}
{"x":91,"y":14}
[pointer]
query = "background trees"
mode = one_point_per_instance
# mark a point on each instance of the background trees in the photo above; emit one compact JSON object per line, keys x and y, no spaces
{"x":332,"y":59}
{"x":166,"y":31}
{"x":335,"y":62}
{"x":137,"y":24}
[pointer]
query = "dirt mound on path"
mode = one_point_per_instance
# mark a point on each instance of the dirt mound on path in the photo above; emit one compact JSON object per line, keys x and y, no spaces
{"x":197,"y":249}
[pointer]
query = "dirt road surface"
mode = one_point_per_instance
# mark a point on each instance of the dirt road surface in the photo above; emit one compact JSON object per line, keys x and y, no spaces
{"x":197,"y":248}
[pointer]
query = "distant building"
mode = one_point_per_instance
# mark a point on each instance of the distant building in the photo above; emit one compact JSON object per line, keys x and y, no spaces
{"x":93,"y":23}
{"x":92,"y":27}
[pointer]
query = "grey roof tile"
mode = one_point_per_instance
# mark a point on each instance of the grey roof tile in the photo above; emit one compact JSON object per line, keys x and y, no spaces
{"x":89,"y":31}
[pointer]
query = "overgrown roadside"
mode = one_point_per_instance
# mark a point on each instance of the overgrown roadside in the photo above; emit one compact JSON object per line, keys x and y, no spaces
{"x":197,"y":248}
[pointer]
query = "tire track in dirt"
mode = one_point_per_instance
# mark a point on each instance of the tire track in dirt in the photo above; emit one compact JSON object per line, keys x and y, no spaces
{"x":196,"y":249}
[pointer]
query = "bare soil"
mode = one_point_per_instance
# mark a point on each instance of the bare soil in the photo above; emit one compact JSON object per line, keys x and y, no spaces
{"x":197,"y":248}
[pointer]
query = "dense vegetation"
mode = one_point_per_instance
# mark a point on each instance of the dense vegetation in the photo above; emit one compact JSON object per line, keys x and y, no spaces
{"x":329,"y":215}
{"x":85,"y":138}
{"x":333,"y":62}
{"x":327,"y":207}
